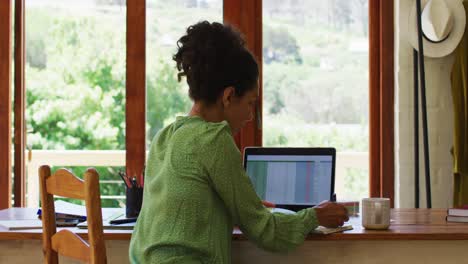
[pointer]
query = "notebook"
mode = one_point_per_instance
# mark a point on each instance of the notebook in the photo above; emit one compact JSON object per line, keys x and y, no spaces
{"x":326,"y":231}
{"x":292,"y":178}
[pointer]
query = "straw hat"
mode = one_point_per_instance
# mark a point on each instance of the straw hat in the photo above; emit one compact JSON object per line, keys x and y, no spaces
{"x":443,"y":24}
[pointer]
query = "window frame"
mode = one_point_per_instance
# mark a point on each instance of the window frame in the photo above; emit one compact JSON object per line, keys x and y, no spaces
{"x":135,"y":89}
{"x":5,"y":103}
{"x":19,"y":108}
{"x":381,"y":99}
{"x":246,"y":15}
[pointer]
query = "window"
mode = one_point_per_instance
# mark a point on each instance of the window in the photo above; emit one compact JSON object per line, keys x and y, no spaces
{"x":315,"y":80}
{"x":75,"y":88}
{"x":76,"y":58}
{"x":166,"y":22}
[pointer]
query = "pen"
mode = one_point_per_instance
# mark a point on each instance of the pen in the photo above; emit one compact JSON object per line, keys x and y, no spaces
{"x":116,"y":216}
{"x":123,"y":221}
{"x":134,"y":182}
{"x":124,"y":178}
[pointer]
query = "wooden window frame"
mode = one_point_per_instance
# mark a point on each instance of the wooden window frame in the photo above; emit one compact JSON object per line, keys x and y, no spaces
{"x":5,"y":103}
{"x":246,"y":15}
{"x":135,"y":116}
{"x":381,"y":99}
{"x":19,"y":108}
{"x":135,"y":109}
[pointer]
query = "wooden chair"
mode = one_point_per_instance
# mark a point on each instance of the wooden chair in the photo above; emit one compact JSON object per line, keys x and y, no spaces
{"x":65,"y":242}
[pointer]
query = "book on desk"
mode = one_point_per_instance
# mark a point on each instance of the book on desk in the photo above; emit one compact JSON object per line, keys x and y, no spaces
{"x":457,"y":215}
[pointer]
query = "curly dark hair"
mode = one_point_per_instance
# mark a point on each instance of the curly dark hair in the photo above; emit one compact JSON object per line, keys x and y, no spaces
{"x":213,"y":57}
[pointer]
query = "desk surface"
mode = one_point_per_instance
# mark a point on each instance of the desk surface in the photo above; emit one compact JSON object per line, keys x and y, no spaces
{"x":406,"y":224}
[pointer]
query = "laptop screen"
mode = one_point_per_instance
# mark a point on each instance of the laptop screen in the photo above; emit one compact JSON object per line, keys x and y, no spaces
{"x":300,"y":177}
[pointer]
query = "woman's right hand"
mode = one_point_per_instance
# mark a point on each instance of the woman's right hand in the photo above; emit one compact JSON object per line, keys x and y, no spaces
{"x":330,"y":214}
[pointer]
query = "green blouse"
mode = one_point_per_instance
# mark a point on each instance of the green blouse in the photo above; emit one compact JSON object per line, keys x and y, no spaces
{"x":195,"y":191}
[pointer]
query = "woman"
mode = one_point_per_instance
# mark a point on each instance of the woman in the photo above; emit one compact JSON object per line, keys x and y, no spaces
{"x":196,"y":189}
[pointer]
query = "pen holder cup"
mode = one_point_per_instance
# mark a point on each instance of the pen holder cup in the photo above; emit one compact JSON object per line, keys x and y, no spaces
{"x":134,"y":199}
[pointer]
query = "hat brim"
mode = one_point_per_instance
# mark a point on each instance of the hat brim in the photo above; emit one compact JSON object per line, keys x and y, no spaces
{"x":444,"y":48}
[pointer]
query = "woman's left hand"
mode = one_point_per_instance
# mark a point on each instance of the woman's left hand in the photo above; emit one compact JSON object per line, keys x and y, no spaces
{"x":268,"y":204}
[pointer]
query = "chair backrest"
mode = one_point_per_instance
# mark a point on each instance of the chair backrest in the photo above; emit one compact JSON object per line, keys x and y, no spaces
{"x":65,"y":242}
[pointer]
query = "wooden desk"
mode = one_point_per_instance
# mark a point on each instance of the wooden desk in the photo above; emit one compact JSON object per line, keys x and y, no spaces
{"x":415,"y":236}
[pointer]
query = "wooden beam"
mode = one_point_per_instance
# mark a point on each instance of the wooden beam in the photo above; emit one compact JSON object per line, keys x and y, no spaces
{"x":374,"y":98}
{"x":381,"y":99}
{"x":246,"y":16}
{"x":5,"y":104}
{"x":19,"y":108}
{"x":135,"y":115}
{"x":387,"y":163}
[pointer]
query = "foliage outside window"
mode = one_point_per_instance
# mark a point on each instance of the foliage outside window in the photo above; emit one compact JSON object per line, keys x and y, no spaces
{"x":166,"y":23}
{"x":315,"y":79}
{"x":75,"y":80}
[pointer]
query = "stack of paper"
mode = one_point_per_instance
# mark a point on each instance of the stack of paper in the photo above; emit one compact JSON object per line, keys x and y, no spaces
{"x":69,"y":214}
{"x":20,"y":224}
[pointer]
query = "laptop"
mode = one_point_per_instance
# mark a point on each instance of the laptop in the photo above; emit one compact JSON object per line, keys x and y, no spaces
{"x":292,"y":178}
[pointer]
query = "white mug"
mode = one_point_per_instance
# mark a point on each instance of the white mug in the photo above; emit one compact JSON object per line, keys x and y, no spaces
{"x":375,"y":213}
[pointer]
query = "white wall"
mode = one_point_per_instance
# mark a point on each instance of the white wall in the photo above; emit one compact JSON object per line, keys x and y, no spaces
{"x":440,"y":120}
